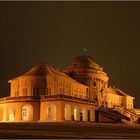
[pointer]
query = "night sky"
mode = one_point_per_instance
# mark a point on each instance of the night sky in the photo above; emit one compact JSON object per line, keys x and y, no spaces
{"x":56,"y":32}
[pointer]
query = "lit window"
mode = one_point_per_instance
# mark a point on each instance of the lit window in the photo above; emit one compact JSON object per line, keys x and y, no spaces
{"x":24,"y":112}
{"x":24,"y":91}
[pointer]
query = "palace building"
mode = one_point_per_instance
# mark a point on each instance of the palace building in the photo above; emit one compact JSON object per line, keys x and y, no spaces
{"x":78,"y":93}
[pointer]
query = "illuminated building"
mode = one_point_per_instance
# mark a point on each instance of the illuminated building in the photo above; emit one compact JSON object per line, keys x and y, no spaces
{"x":79,"y":93}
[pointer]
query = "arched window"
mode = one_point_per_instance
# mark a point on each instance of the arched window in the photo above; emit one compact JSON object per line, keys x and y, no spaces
{"x":51,"y":112}
{"x":11,"y":113}
{"x":27,"y":112}
{"x":67,"y":111}
{"x":75,"y":113}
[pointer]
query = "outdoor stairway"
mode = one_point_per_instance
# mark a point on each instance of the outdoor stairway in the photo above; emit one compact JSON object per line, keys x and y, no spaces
{"x":112,"y":114}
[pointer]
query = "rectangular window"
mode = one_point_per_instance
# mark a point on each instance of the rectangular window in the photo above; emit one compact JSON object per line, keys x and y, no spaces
{"x":35,"y":91}
{"x":48,"y":91}
{"x":24,"y":91}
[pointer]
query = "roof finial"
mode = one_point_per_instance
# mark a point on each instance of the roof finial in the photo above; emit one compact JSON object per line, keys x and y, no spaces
{"x":84,"y":51}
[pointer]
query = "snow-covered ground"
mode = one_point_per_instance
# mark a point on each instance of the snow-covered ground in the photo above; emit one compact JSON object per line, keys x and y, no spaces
{"x":68,"y":130}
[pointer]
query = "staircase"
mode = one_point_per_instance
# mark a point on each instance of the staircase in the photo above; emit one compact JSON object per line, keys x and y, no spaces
{"x":112,"y":114}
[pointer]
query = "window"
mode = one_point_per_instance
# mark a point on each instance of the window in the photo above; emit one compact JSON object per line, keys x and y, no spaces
{"x":24,"y":91}
{"x":27,"y":112}
{"x":48,"y":91}
{"x":24,"y":112}
{"x":35,"y":91}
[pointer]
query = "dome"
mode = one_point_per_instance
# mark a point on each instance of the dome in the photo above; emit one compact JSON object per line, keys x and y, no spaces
{"x":82,"y":64}
{"x":87,"y":62}
{"x":40,"y":70}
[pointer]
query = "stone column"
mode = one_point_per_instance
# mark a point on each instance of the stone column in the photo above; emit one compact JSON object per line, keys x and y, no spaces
{"x":60,"y":111}
{"x":92,"y":115}
{"x":18,"y":113}
{"x":5,"y":115}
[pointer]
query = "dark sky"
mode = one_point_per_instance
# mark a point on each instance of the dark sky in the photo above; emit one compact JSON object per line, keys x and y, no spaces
{"x":56,"y":32}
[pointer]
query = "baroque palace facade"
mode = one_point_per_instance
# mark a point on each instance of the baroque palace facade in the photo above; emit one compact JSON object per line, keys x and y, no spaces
{"x":79,"y":93}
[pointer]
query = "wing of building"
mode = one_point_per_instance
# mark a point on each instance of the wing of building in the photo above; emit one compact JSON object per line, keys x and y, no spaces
{"x":79,"y":93}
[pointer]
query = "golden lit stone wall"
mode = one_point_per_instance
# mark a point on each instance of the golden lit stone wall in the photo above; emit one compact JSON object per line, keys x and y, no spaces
{"x":47,"y":85}
{"x":24,"y":85}
{"x":63,"y":114}
{"x":95,"y":81}
{"x":71,"y":87}
{"x":113,"y":99}
{"x":17,"y":111}
{"x":14,"y":88}
{"x":128,"y":102}
{"x":86,"y":71}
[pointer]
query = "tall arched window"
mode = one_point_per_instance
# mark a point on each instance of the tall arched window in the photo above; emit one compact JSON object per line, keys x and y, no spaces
{"x":11,"y":113}
{"x":67,"y":111}
{"x":51,"y":112}
{"x":27,"y":112}
{"x":75,"y":113}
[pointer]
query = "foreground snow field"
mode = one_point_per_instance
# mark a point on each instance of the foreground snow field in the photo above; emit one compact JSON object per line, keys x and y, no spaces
{"x":68,"y":130}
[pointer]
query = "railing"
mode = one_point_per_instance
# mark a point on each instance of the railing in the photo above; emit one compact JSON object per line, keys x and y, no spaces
{"x":126,"y":110}
{"x":112,"y":113}
{"x":44,"y":97}
{"x":67,"y":97}
{"x":5,"y":99}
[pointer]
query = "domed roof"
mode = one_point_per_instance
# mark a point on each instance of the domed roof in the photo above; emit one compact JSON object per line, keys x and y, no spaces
{"x":87,"y":62}
{"x":82,"y":63}
{"x":40,"y":70}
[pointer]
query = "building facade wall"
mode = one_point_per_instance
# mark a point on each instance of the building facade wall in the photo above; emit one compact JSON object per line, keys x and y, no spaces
{"x":65,"y":111}
{"x":84,"y":80}
{"x":16,"y":114}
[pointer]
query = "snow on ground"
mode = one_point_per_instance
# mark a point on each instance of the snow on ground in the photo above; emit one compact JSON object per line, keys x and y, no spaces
{"x":67,"y":130}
